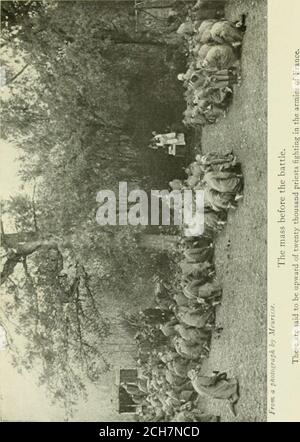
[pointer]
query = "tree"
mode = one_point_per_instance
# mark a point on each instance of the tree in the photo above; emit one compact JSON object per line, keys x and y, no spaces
{"x":163,"y":243}
{"x":67,"y":107}
{"x":50,"y":295}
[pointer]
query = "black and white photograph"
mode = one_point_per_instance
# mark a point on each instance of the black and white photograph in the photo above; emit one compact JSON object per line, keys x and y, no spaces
{"x":133,"y":191}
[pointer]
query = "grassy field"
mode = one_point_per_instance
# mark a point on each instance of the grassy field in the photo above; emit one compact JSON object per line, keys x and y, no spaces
{"x":241,"y":250}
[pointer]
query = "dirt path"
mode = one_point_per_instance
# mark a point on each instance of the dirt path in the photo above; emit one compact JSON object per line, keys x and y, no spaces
{"x":241,"y":251}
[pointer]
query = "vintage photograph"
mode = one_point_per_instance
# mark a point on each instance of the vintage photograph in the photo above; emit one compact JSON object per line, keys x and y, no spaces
{"x":133,"y":191}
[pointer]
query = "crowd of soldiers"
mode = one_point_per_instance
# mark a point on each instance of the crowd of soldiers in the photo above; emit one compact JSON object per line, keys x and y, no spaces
{"x":213,"y":68}
{"x":174,"y":335}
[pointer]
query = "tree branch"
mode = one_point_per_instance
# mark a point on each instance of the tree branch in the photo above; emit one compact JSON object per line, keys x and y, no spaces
{"x":89,"y":291}
{"x":17,"y":75}
{"x":9,"y":266}
{"x":20,"y":252}
{"x":36,"y":298}
{"x":2,"y":234}
{"x":151,"y":15}
{"x":83,"y":355}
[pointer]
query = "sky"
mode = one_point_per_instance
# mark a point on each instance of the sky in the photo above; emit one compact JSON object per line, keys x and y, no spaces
{"x":9,"y":166}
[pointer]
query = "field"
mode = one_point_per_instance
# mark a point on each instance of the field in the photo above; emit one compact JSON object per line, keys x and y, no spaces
{"x":241,"y":250}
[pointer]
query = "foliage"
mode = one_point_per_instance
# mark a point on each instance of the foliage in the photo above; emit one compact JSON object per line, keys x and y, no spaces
{"x":67,"y":104}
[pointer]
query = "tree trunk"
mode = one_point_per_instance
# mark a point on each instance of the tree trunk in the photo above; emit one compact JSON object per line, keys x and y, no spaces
{"x":208,"y":9}
{"x":21,"y":245}
{"x":13,"y":240}
{"x":173,"y":41}
{"x":131,"y":41}
{"x":163,"y":243}
{"x":119,"y":36}
{"x":162,"y":4}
